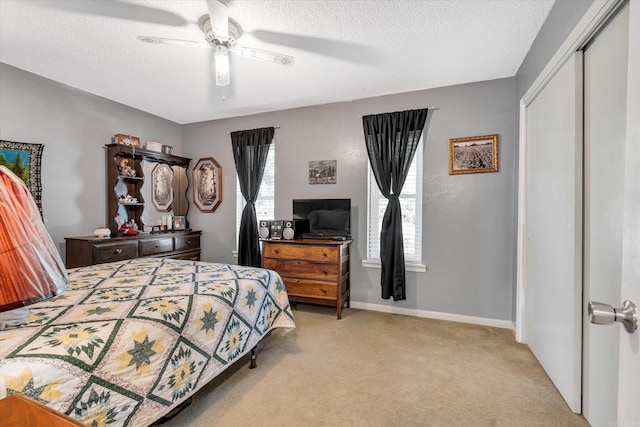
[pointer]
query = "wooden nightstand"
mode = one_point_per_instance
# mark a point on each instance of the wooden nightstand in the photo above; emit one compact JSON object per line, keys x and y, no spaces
{"x":18,"y":410}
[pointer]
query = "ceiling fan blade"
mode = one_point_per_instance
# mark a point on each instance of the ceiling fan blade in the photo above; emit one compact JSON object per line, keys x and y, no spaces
{"x":219,"y":19}
{"x":117,"y":9}
{"x":263,"y":55}
{"x":176,"y":42}
{"x":333,"y":48}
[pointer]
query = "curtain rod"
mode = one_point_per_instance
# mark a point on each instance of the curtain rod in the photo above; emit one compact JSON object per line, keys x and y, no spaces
{"x":275,"y":127}
{"x":428,"y":108}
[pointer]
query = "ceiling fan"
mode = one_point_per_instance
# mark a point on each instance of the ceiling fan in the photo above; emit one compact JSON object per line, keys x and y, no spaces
{"x":221,"y":34}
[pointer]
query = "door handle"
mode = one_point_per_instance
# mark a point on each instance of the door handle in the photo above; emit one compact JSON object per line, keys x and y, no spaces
{"x":604,"y":314}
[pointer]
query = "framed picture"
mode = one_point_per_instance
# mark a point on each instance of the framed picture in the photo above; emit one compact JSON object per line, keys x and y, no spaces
{"x":207,"y":184}
{"x":25,"y":161}
{"x":179,"y":222}
{"x":162,"y":186}
{"x":322,"y":171}
{"x":474,"y":154}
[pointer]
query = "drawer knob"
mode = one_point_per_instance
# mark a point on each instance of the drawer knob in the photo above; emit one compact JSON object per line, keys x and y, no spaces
{"x":325,"y":254}
{"x":277,"y":251}
{"x":118,"y":251}
{"x":188,"y":242}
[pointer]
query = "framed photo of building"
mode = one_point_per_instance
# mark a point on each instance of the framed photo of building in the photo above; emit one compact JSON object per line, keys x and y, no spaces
{"x":475,"y":154}
{"x":207,"y":184}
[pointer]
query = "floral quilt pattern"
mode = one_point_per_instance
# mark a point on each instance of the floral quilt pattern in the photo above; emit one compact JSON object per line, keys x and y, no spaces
{"x":129,"y":341}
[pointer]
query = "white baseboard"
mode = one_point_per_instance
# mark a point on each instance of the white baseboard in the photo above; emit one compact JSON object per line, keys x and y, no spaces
{"x":505,"y":324}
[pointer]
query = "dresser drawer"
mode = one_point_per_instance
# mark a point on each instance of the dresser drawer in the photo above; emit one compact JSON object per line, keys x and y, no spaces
{"x":115,"y":251}
{"x":311,"y":253}
{"x":193,"y":256}
{"x":310,"y":288}
{"x":185,"y":243}
{"x":302,"y":269}
{"x":156,"y":246}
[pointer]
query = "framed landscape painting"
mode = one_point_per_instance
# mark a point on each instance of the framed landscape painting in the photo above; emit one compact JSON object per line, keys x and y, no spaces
{"x":474,"y":154}
{"x":323,"y":171}
{"x":25,"y":161}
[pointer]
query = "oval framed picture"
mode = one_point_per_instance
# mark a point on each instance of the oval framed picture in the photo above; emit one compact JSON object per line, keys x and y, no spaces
{"x":162,"y":186}
{"x":207,"y":184}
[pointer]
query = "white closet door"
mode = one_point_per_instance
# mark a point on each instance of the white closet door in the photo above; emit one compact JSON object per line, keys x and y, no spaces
{"x":605,"y":124}
{"x":629,"y":362}
{"x":553,"y":233}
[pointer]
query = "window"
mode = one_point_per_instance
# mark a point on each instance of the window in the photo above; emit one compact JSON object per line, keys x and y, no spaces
{"x":265,"y":202}
{"x":411,"y":204}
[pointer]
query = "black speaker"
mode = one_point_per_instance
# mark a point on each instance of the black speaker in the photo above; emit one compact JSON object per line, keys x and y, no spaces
{"x":276,"y":229}
{"x":294,"y":228}
{"x":264,"y":229}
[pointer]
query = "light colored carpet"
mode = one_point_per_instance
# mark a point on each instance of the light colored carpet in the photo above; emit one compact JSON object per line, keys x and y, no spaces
{"x":379,"y":369}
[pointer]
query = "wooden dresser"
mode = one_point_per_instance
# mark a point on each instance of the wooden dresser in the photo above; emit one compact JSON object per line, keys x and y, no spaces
{"x":18,"y":410}
{"x":313,"y":271}
{"x":83,"y":251}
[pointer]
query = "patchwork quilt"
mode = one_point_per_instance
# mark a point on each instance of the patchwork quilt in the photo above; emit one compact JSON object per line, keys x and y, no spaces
{"x":129,"y":341}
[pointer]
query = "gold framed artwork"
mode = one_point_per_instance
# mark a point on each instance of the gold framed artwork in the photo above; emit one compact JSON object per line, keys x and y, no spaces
{"x":474,"y":154}
{"x":207,"y":184}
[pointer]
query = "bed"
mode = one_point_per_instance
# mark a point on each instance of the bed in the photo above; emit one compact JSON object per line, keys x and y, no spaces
{"x":130,"y":341}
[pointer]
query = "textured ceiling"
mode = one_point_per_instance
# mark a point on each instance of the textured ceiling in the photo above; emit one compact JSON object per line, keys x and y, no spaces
{"x":343,"y":50}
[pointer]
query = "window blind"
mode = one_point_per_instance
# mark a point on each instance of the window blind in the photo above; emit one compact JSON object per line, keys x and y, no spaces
{"x":411,"y":205}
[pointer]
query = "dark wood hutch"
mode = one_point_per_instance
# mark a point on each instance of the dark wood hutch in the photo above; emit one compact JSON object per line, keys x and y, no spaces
{"x":120,"y":184}
{"x":125,"y":175}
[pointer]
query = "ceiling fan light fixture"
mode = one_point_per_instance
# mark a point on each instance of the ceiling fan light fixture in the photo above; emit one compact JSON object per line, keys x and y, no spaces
{"x":221,"y":33}
{"x":222,"y":65}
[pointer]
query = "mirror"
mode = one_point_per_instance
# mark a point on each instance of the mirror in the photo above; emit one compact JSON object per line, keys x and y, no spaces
{"x":155,"y":195}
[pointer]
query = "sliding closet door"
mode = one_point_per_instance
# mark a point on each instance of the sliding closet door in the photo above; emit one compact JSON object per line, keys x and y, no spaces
{"x":605,"y":120}
{"x":553,"y":232}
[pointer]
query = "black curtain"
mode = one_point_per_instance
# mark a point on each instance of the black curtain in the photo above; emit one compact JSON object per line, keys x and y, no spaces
{"x":250,"y":150}
{"x":392,"y":139}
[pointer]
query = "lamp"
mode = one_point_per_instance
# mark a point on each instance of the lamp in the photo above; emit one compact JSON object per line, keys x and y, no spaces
{"x":31,"y":269}
{"x":222,"y":65}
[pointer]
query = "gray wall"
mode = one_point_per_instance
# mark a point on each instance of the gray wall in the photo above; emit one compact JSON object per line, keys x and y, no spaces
{"x":468,"y":220}
{"x":562,"y":19}
{"x":74,"y":126}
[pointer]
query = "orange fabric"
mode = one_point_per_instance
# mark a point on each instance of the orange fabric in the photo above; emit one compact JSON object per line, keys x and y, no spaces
{"x":30,"y":267}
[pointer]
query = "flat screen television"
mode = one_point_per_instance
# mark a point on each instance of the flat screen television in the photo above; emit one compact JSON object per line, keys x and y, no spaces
{"x":328,"y":218}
